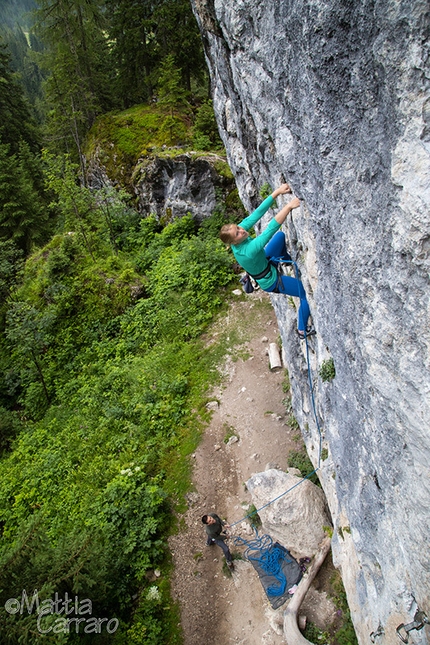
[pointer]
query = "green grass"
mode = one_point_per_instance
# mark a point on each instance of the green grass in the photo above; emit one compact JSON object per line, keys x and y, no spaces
{"x":142,"y":132}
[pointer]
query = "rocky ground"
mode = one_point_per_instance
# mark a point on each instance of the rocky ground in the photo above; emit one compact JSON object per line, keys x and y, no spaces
{"x":216,"y":605}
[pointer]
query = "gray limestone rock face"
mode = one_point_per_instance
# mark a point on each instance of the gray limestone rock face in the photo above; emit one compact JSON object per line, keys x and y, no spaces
{"x":333,"y":97}
{"x":296,"y":519}
{"x":180,"y":185}
{"x":172,"y":186}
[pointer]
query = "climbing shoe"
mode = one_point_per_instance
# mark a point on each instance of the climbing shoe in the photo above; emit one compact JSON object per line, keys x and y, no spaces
{"x":230,"y":566}
{"x":309,"y":332}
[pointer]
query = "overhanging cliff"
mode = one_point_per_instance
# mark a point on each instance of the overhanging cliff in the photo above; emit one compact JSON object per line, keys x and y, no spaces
{"x":333,"y":98}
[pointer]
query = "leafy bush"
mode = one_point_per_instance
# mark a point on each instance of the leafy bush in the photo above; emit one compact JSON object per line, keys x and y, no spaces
{"x":299,"y":459}
{"x":206,"y":135}
{"x":327,"y":370}
{"x":105,"y":383}
{"x":265,"y":190}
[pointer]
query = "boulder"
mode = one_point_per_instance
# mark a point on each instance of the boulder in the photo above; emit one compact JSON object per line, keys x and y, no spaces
{"x":297,"y":518}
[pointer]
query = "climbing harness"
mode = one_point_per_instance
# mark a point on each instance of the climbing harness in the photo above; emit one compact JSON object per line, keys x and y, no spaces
{"x":420,"y":619}
{"x":262,"y":274}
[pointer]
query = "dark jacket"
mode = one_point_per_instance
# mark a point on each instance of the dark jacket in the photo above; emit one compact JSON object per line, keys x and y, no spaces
{"x":214,"y":530}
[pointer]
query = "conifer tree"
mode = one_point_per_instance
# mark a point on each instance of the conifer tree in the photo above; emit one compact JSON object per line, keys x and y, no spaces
{"x":15,"y":119}
{"x":177,"y":35}
{"x":132,"y":30}
{"x":144,"y":33}
{"x":23,"y":216}
{"x":77,"y":59}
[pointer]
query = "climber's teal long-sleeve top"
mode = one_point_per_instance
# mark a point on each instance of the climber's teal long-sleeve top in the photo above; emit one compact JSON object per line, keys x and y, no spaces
{"x":250,"y":253}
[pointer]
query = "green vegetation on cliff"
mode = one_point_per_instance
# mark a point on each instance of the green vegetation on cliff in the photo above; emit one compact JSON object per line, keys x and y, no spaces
{"x":120,"y":139}
{"x":102,"y":391}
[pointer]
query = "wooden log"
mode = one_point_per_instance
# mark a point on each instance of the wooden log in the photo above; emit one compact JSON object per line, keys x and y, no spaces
{"x":292,"y":633}
{"x":274,"y":357}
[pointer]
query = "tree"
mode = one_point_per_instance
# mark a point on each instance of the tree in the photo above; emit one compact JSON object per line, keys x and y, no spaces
{"x":24,"y":217}
{"x":25,"y":65}
{"x":177,"y":34}
{"x":11,"y":263}
{"x":27,"y":330}
{"x":172,"y":95}
{"x":132,"y":30}
{"x":78,"y":61}
{"x":75,"y":203}
{"x":15,"y":119}
{"x":205,"y":128}
{"x":144,"y":33}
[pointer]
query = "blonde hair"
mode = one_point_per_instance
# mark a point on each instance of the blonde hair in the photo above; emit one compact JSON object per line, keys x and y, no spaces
{"x":225,"y":234}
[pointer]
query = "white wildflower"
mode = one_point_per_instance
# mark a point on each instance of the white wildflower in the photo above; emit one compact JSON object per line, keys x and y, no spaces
{"x":153,"y":593}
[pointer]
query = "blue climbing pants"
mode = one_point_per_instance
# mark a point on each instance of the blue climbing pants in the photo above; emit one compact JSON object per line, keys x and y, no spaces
{"x":222,"y":545}
{"x":275,"y":251}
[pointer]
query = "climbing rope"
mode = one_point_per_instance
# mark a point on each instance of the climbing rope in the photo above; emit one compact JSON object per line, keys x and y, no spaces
{"x":311,"y":388}
{"x":271,"y":560}
{"x":270,"y":557}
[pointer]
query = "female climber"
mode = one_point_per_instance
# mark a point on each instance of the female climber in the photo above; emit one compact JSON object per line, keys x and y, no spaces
{"x":259,"y":256}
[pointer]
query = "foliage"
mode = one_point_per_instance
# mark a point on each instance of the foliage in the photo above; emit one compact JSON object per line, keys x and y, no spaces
{"x":170,"y":92}
{"x":341,"y":631}
{"x":230,"y":431}
{"x":103,"y":372}
{"x":327,"y":370}
{"x":177,"y":34}
{"x":299,"y":459}
{"x":143,"y":34}
{"x":24,"y":52}
{"x":75,"y":204}
{"x":315,"y":635}
{"x":265,"y":190}
{"x":225,"y":211}
{"x":10,"y":426}
{"x":23,"y":215}
{"x":253,"y":517}
{"x":77,"y":61}
{"x":122,"y":138}
{"x":344,"y":633}
{"x":16,"y":123}
{"x":11,"y":263}
{"x":286,"y":385}
{"x":12,"y":12}
{"x":205,"y":133}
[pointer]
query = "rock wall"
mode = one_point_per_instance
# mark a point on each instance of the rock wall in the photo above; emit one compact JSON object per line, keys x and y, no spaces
{"x":173,"y":185}
{"x":184,"y":184}
{"x":333,"y":97}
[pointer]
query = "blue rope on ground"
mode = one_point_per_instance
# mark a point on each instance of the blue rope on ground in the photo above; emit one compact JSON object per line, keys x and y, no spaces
{"x":296,"y":271}
{"x":270,"y":557}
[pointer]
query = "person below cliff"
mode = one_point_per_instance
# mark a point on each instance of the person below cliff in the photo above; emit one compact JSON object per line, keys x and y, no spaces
{"x":215,"y":526}
{"x":259,"y":256}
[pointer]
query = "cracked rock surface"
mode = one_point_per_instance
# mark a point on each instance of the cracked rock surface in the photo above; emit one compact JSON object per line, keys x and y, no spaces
{"x":333,"y":98}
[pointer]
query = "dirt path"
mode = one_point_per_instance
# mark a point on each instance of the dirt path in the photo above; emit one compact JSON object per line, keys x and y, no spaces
{"x":216,"y":606}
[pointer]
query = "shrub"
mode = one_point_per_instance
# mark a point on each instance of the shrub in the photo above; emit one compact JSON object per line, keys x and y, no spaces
{"x":300,"y":460}
{"x":327,"y":370}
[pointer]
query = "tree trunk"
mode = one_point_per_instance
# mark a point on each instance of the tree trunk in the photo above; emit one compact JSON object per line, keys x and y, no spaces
{"x":292,"y":633}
